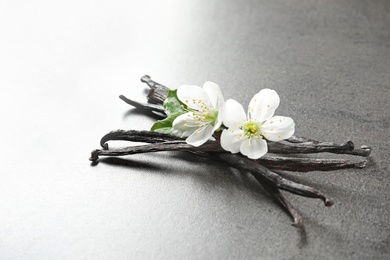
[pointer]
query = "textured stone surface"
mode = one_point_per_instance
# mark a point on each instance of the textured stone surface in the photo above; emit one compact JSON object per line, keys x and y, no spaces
{"x":63,"y":66}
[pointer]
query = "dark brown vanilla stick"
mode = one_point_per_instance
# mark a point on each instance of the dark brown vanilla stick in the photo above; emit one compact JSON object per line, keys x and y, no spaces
{"x":178,"y":145}
{"x":287,"y":148}
{"x":136,"y":136}
{"x":267,"y":175}
{"x":271,"y":162}
{"x":308,"y":164}
{"x":157,"y":93}
{"x":144,"y":106}
{"x":364,"y":150}
{"x":151,"y":107}
{"x":153,"y":84}
{"x":275,"y":193}
{"x":236,"y":161}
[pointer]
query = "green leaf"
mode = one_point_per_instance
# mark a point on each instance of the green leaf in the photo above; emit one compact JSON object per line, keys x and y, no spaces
{"x":164,"y":126}
{"x":172,"y":104}
{"x":173,"y":108}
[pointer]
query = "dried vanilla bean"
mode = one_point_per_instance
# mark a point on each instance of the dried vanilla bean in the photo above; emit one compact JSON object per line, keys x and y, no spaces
{"x":236,"y":161}
{"x":271,"y":162}
{"x":153,"y":84}
{"x":275,"y":193}
{"x":309,"y":164}
{"x":136,"y":136}
{"x":147,"y":107}
{"x":303,"y":142}
{"x":178,"y":145}
{"x":289,"y":148}
{"x":155,"y":109}
{"x":267,"y":175}
{"x":157,"y":93}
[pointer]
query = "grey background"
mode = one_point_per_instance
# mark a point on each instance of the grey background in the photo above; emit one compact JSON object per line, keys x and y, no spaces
{"x":63,"y":64}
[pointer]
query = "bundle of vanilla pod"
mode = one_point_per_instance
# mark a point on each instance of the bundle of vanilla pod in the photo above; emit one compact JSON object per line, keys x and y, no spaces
{"x":198,"y":121}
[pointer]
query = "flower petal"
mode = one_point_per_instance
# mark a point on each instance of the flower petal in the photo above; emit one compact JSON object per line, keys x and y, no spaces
{"x":193,"y":96}
{"x":231,"y":139}
{"x":200,"y":136}
{"x":233,"y":114}
{"x":214,"y":93}
{"x":254,"y":148}
{"x":184,"y":125}
{"x":278,"y":128}
{"x":263,"y":105}
{"x":218,"y":120}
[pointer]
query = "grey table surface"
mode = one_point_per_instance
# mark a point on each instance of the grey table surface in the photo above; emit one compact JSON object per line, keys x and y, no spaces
{"x":63,"y":65}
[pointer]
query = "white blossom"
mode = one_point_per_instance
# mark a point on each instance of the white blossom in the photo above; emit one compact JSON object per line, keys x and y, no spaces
{"x":203,"y":117}
{"x":247,"y":133}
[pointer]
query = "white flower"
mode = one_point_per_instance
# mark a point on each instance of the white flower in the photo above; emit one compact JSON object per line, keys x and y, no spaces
{"x":246,"y":133}
{"x":203,"y":117}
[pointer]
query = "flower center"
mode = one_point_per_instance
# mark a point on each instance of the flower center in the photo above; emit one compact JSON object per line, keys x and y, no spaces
{"x":252,"y":129}
{"x":207,"y":116}
{"x":203,"y":116}
{"x":211,"y":115}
